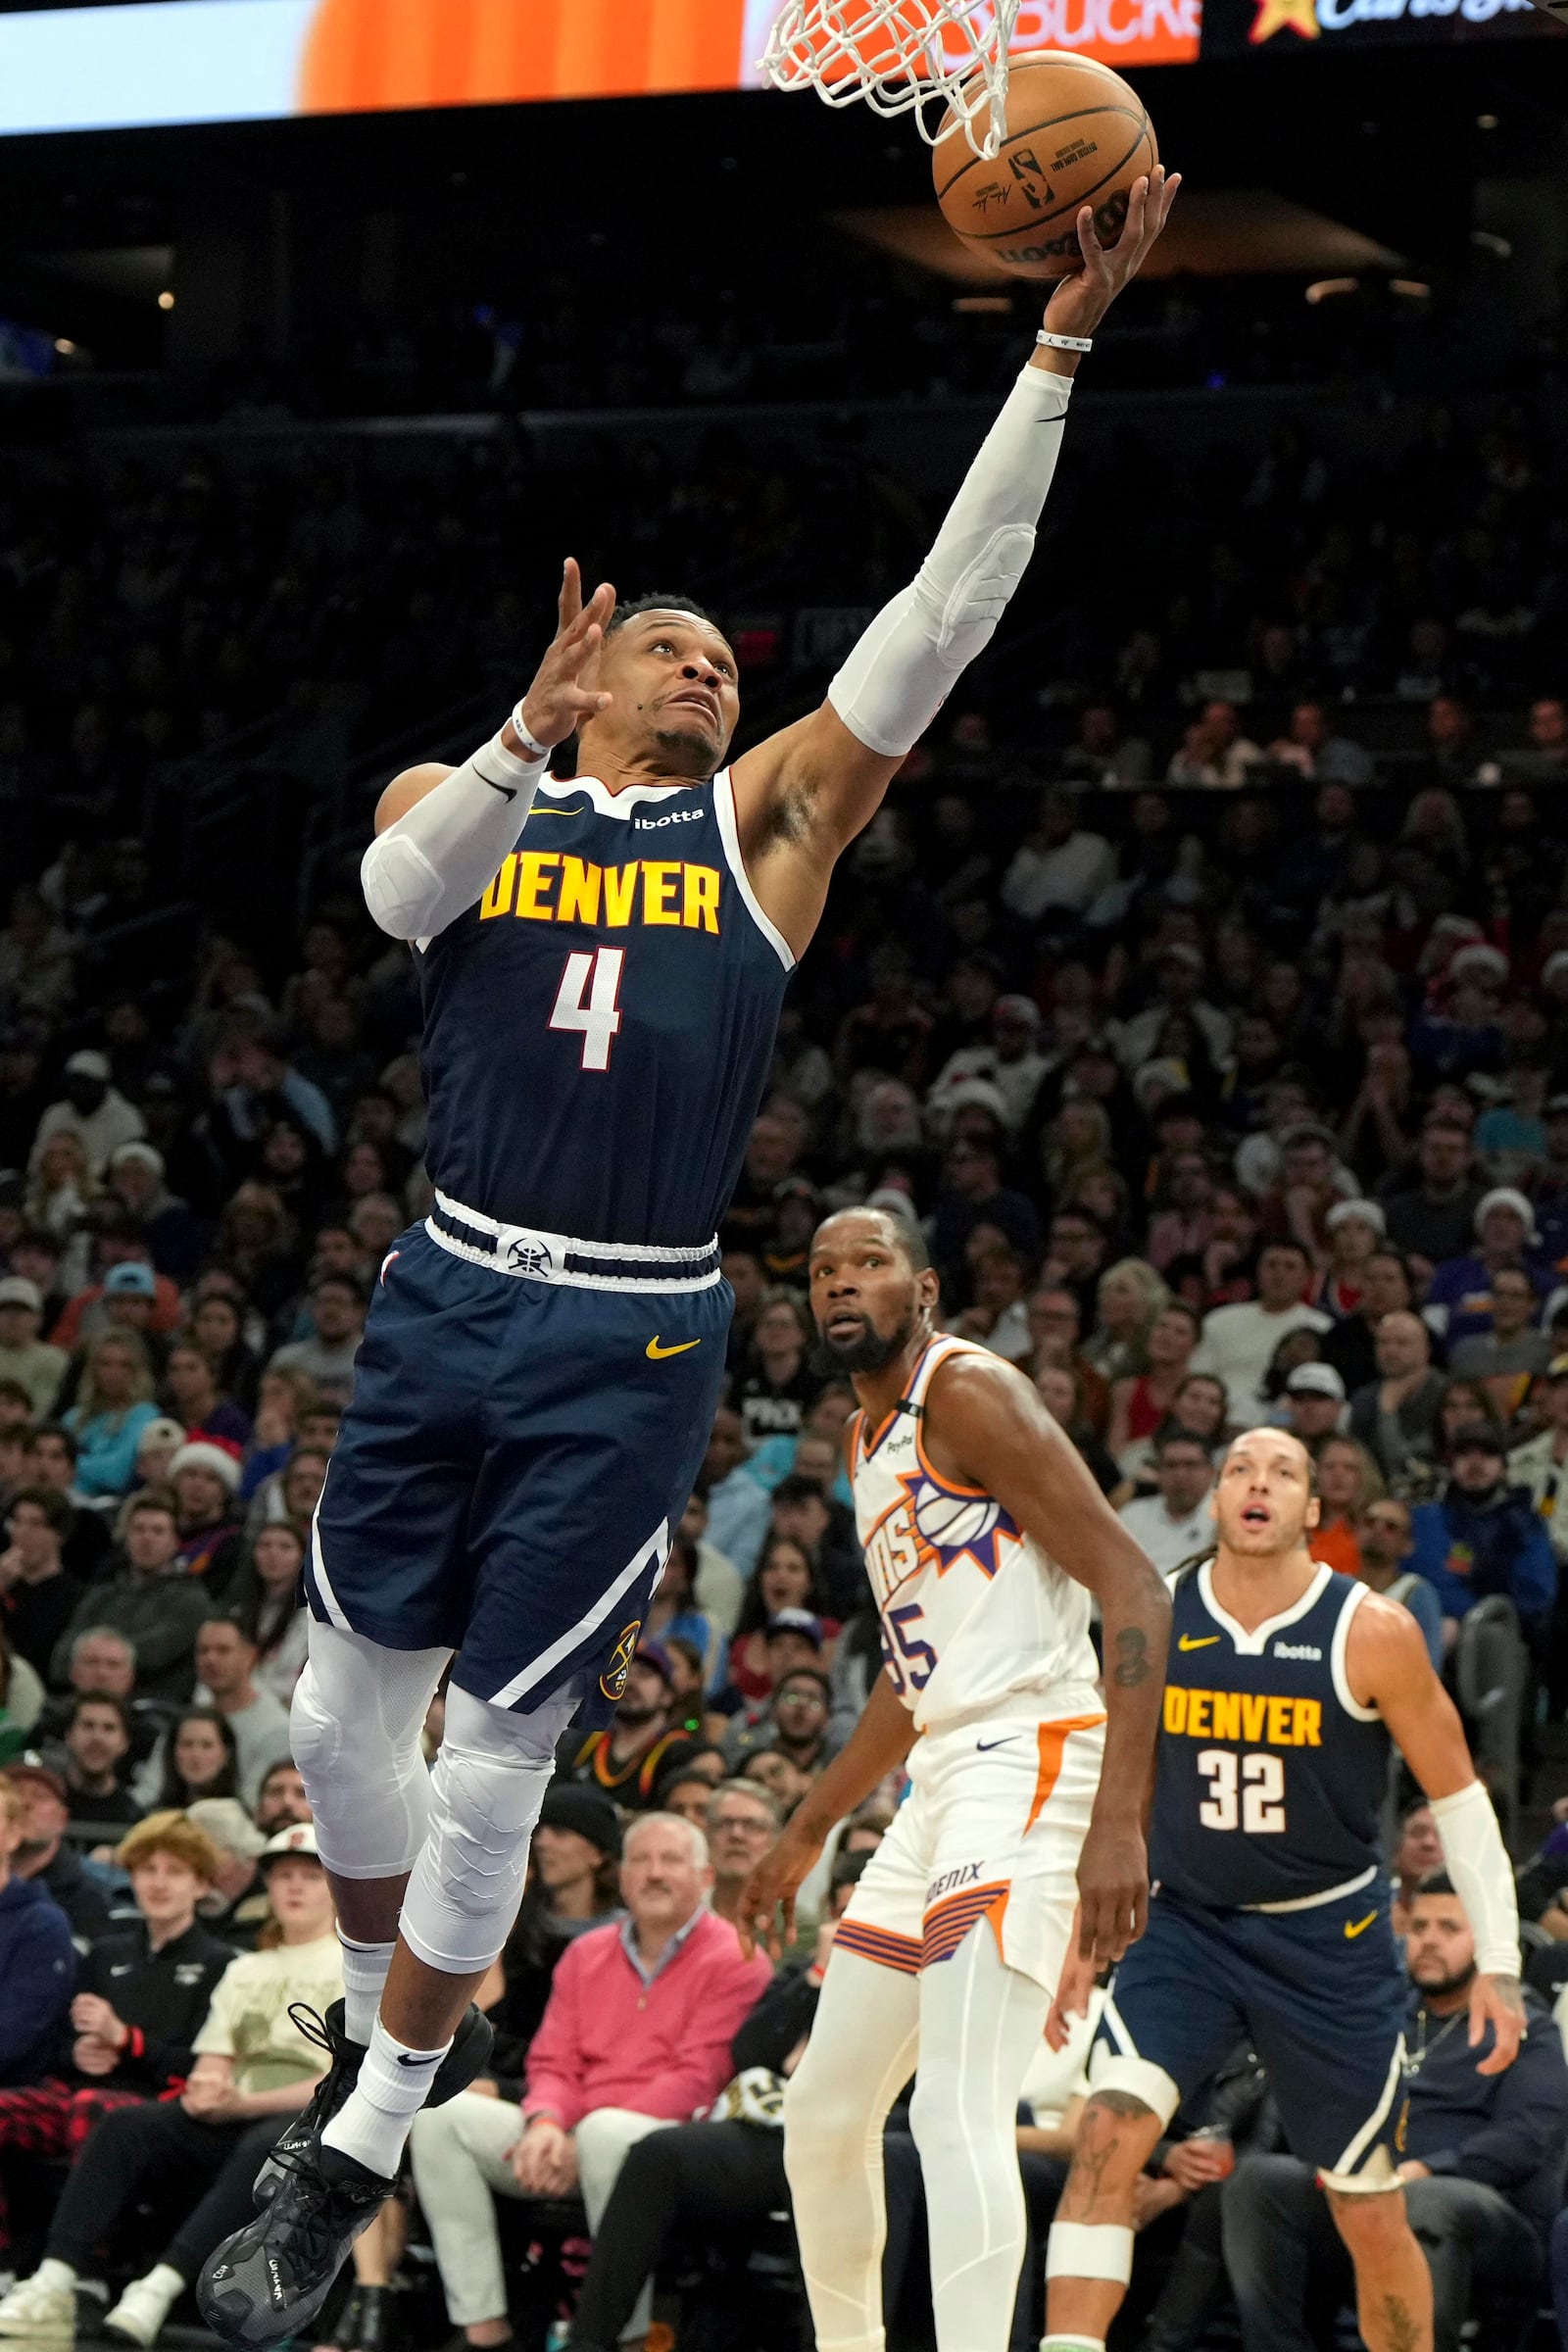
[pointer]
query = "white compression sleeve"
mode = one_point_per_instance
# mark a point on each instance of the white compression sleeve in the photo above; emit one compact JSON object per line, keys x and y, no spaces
{"x":898,"y":677}
{"x":444,"y":852}
{"x":1477,"y":1864}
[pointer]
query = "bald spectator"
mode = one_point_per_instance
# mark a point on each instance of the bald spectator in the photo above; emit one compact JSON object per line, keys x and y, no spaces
{"x":1395,"y":1416}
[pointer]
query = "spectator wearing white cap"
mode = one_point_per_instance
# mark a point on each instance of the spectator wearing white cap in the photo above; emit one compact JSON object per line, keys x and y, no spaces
{"x":166,"y":1223}
{"x":1313,"y":1404}
{"x":92,"y":1109}
{"x":1010,"y":1061}
{"x":1354,"y":1230}
{"x":1458,"y":1302}
{"x":24,"y":1356}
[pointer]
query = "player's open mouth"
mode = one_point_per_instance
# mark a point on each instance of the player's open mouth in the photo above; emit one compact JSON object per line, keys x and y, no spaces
{"x":1255,"y":1514}
{"x":695,"y":701}
{"x":846,"y":1326}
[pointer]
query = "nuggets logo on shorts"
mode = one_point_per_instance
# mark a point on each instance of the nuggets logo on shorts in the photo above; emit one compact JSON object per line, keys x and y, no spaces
{"x":531,"y":1257}
{"x":613,"y":1682}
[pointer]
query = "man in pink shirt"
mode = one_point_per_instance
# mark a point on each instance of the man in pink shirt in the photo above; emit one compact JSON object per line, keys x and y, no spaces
{"x":635,"y":2036}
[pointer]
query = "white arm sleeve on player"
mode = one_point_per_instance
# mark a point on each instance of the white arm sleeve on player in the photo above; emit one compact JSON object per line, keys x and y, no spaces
{"x":1473,"y":1849}
{"x":900,"y":674}
{"x":445,"y":852}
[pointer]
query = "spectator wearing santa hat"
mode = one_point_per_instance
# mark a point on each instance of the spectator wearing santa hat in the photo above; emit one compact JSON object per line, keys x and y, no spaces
{"x":205,"y":1477}
{"x":1458,"y":1304}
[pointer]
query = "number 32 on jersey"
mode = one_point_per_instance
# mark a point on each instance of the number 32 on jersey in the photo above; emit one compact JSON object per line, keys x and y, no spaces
{"x":1260,"y":1812}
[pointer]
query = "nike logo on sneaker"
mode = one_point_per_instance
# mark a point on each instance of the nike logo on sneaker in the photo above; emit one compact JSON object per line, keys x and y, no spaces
{"x":1354,"y":1927}
{"x":1197,"y":1640}
{"x":657,"y":1354}
{"x":983,"y":1747}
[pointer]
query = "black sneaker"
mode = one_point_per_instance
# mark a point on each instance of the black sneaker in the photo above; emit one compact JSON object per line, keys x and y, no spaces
{"x":472,"y":2046}
{"x":270,"y":2278}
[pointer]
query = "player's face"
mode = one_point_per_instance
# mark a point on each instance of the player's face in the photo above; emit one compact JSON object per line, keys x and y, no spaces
{"x":674,"y":678}
{"x":865,"y":1295}
{"x":1263,"y":1502}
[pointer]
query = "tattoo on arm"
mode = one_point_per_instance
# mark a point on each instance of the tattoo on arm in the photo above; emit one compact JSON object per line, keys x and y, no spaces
{"x":1131,"y":1658}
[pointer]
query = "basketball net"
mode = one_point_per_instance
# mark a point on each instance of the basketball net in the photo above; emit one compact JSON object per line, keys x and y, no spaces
{"x":898,"y":56}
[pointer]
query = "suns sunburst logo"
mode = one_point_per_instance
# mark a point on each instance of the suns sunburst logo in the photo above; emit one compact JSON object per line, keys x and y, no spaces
{"x":613,"y":1682}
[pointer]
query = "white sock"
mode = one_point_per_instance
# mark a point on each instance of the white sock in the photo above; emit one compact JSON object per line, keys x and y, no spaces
{"x":378,"y":2114}
{"x":51,"y":2272}
{"x":365,"y":1967}
{"x":166,"y":2279}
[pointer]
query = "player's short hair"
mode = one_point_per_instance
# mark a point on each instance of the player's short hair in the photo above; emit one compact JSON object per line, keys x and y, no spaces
{"x":635,"y":604}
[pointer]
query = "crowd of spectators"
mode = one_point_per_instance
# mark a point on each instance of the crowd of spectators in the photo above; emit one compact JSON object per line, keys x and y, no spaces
{"x":1226,"y":1085}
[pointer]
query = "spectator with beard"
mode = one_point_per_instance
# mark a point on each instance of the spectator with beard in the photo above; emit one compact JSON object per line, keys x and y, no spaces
{"x":1506,"y":1358}
{"x":37,"y":1597}
{"x":1430,"y":1218}
{"x":41,"y":1856}
{"x":97,"y":1746}
{"x":796,"y":1718}
{"x":280,"y":1798}
{"x":628,"y":1757}
{"x":337,"y":1310}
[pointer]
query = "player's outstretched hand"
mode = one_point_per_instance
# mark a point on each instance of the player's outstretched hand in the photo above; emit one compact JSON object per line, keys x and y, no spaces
{"x":1112,"y":1891}
{"x":1081,"y":301}
{"x":1497,"y":2001}
{"x":765,"y":1916}
{"x":556,"y":703}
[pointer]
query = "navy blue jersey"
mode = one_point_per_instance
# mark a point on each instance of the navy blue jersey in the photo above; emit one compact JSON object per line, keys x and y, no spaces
{"x":599,"y":1028}
{"x":1270,"y":1774}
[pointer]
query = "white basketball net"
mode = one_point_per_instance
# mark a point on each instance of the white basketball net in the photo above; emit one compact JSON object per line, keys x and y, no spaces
{"x":899,"y":54}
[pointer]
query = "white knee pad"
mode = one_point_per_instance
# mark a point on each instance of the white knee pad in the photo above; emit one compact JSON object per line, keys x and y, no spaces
{"x":354,"y":1728}
{"x":485,"y":1794}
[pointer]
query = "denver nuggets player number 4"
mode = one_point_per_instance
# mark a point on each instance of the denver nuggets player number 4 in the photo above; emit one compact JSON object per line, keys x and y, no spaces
{"x":1270,"y":1914}
{"x":984,"y":1537}
{"x":602,"y":965}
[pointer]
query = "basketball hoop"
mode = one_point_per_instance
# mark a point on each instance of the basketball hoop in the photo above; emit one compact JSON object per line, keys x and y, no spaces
{"x":899,"y":54}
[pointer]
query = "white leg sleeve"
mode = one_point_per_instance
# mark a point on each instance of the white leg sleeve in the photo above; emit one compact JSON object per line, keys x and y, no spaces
{"x":980,"y":2026}
{"x":354,"y":1728}
{"x":861,"y":2054}
{"x":898,"y":677}
{"x":485,"y":1794}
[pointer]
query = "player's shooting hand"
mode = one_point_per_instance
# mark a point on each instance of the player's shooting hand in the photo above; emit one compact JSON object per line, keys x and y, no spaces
{"x":766,"y":1915}
{"x":557,"y":703}
{"x":1112,"y":1891}
{"x":1081,"y":301}
{"x":1498,"y":2002}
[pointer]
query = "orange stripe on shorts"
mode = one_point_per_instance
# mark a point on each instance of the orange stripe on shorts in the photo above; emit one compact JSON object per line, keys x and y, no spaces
{"x":1054,"y":1737}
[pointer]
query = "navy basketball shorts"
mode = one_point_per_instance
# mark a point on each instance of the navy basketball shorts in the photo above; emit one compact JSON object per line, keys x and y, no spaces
{"x":1320,"y":1994}
{"x":511,"y":1469}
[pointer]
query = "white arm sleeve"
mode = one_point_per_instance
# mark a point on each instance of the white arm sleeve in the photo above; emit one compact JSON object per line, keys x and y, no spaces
{"x":898,"y":677}
{"x":444,"y":852}
{"x":1478,"y":1865}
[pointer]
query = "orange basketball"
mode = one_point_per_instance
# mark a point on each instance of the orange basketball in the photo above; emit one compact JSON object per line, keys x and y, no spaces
{"x":1076,"y":134}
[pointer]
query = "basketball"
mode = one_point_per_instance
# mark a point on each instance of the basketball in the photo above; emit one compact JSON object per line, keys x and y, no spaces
{"x":1076,"y":134}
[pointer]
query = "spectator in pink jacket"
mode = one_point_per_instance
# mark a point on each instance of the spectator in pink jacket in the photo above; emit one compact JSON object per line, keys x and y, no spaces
{"x":635,"y":2036}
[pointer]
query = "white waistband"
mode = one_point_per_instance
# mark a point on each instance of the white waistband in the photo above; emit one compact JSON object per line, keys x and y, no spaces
{"x":529,"y":1254}
{"x":1313,"y":1902}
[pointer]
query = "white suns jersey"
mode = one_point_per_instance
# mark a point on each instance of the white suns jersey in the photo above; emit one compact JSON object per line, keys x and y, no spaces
{"x":974,"y":1614}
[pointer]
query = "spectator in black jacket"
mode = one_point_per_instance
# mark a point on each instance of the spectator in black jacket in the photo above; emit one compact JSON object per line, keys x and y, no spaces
{"x":1482,"y":2164}
{"x":39,"y":1595}
{"x":37,"y":1965}
{"x":141,"y":1993}
{"x":573,"y":1883}
{"x":44,"y":1857}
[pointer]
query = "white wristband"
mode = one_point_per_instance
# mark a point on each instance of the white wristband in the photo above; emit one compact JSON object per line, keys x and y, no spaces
{"x":1478,"y":1865}
{"x":1064,"y":342}
{"x":535,"y":750}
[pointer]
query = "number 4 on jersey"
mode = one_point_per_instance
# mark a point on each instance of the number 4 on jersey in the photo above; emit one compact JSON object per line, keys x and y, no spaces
{"x":586,"y":1001}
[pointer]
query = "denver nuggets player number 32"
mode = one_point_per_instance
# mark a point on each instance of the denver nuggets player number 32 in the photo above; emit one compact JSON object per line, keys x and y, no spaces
{"x":1270,"y":1914}
{"x":601,"y":964}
